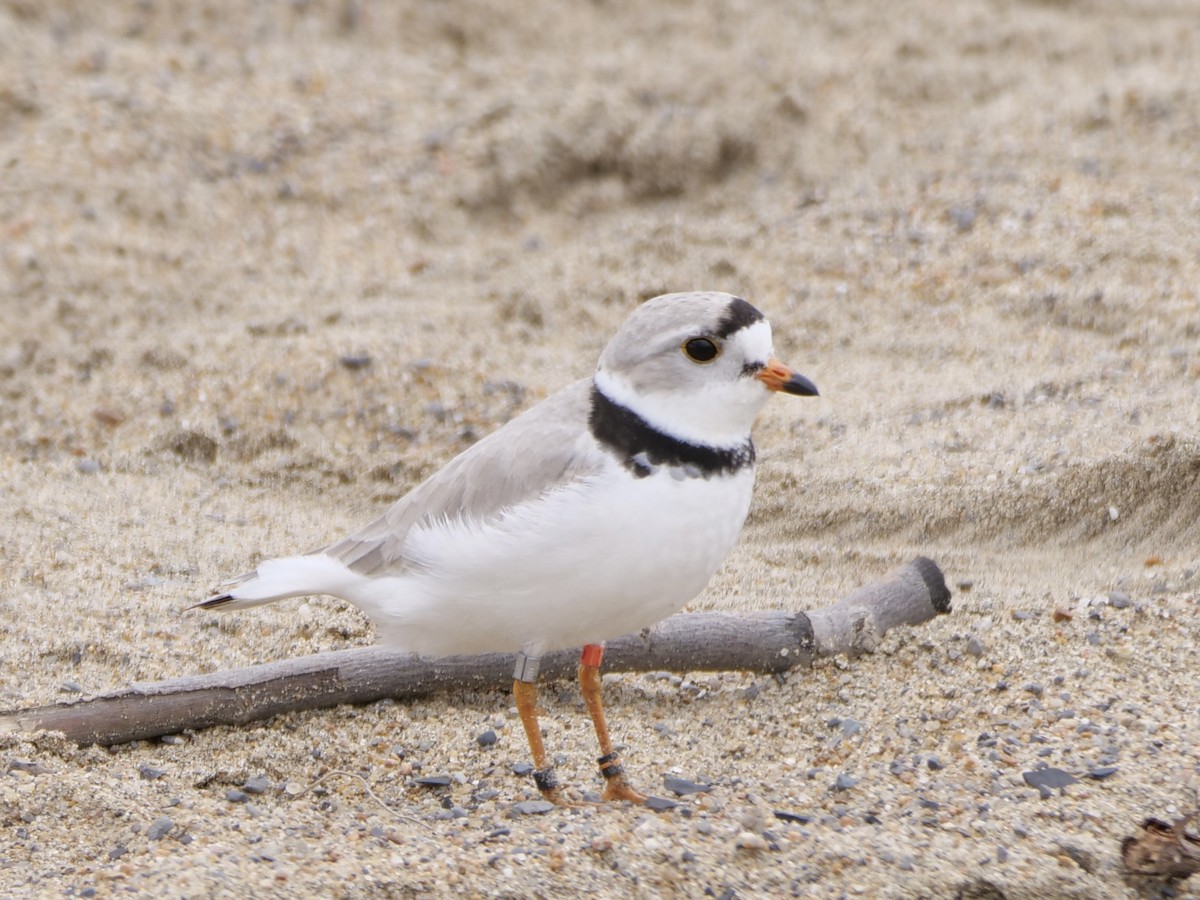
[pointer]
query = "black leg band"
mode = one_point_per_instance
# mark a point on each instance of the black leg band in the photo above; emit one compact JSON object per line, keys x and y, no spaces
{"x":610,"y":765}
{"x":545,"y":779}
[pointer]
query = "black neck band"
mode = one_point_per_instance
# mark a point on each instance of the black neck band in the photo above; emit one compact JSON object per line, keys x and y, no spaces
{"x":641,"y":447}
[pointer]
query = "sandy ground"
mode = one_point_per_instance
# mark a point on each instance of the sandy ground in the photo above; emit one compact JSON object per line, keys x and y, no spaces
{"x":264,"y":266}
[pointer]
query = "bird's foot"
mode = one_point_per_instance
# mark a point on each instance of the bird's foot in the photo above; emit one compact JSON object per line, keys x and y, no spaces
{"x":617,"y":789}
{"x":615,"y":785}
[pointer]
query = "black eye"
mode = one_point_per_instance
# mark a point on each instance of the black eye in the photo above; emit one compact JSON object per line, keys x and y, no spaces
{"x":701,"y":350}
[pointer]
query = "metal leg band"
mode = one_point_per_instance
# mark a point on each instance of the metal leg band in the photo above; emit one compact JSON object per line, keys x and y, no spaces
{"x":526,"y":668}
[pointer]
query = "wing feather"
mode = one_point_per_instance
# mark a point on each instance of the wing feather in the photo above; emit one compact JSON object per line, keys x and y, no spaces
{"x":541,"y":449}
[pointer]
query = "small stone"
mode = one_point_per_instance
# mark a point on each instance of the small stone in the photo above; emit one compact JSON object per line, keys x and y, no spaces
{"x":522,"y":768}
{"x":681,"y":786}
{"x":150,"y":773}
{"x":259,"y":784}
{"x":786,"y":816}
{"x":1048,"y":778}
{"x":487,"y":738}
{"x":934,"y":763}
{"x":159,"y":828}
{"x":975,"y":646}
{"x":660,"y":804}
{"x":355,"y":361}
{"x":1101,"y":772}
{"x":748,"y":840}
{"x":844,"y":782}
{"x":233,"y":795}
{"x":532,"y":807}
{"x":1119,"y":600}
{"x":433,"y":780}
{"x":292,"y":790}
{"x":71,"y":687}
{"x":87,"y":467}
{"x":117,"y":852}
{"x":1085,"y":859}
{"x":851,"y":727}
{"x":1035,"y":689}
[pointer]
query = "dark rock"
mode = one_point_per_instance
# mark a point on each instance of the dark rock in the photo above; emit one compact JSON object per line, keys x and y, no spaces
{"x":259,"y":784}
{"x":522,"y":768}
{"x":1049,"y":778}
{"x":681,"y":786}
{"x":355,"y":361}
{"x":660,"y":804}
{"x":1101,"y":772}
{"x":486,"y":739}
{"x":159,"y":828}
{"x":532,"y":807}
{"x":799,"y":817}
{"x":233,"y":795}
{"x":433,"y":780}
{"x":150,"y":773}
{"x":844,"y":782}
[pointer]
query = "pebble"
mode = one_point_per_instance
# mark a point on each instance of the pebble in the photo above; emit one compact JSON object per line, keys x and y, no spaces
{"x":522,"y":768}
{"x":87,"y":467}
{"x":259,"y":784}
{"x":974,"y":646}
{"x":355,"y":361}
{"x":748,"y":840}
{"x":1101,"y":772}
{"x":1119,"y":600}
{"x":681,"y":786}
{"x":844,"y":782}
{"x":785,"y":816}
{"x":159,"y":828}
{"x":233,"y":795}
{"x":433,"y":780}
{"x":660,"y":804}
{"x":1048,"y":778}
{"x":532,"y":807}
{"x":487,"y":738}
{"x":150,"y":773}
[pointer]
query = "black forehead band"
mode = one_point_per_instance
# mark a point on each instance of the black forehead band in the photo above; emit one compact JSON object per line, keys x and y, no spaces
{"x":737,"y":316}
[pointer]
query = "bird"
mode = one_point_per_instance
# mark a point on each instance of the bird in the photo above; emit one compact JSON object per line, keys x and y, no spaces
{"x":598,"y":512}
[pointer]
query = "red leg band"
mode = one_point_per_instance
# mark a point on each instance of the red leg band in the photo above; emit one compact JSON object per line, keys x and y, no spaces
{"x":591,"y":655}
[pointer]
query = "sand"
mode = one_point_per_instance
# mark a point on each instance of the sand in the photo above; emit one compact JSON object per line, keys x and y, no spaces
{"x":265,"y":266}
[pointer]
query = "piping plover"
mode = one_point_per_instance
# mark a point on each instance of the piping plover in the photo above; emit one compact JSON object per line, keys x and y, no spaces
{"x":596,"y":513}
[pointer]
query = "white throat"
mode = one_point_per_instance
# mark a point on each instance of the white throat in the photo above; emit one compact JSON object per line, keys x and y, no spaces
{"x":720,"y":417}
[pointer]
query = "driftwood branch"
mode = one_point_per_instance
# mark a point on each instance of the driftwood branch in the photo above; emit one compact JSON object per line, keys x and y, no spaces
{"x":756,"y":642}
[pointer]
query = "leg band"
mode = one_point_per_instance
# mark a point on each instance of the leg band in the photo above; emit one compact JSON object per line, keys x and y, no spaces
{"x":526,"y":668}
{"x":610,"y":765}
{"x":545,"y":779}
{"x":591,"y":655}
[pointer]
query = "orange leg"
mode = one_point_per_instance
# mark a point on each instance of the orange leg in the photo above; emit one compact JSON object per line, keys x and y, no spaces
{"x":525,"y":693}
{"x":615,"y":787}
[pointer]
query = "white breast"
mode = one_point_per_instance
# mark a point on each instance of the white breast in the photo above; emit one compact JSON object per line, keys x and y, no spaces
{"x":604,"y":556}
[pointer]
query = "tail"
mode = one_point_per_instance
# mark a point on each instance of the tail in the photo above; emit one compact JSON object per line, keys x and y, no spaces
{"x":278,"y":579}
